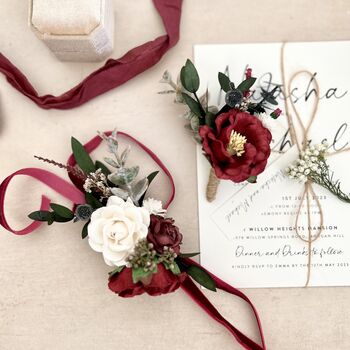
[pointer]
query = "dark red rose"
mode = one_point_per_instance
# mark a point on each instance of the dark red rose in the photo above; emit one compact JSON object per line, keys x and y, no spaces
{"x":256,"y":149}
{"x":163,"y":233}
{"x":162,"y":282}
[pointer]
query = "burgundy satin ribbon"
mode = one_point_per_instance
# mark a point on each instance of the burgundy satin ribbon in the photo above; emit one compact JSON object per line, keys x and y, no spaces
{"x":196,"y":294}
{"x":51,"y":180}
{"x":115,"y":71}
{"x":76,"y":196}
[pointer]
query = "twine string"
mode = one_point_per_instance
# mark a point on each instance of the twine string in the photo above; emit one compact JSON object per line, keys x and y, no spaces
{"x":308,"y":190}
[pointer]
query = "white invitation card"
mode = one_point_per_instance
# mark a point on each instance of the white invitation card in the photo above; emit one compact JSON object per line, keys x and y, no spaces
{"x":248,"y":233}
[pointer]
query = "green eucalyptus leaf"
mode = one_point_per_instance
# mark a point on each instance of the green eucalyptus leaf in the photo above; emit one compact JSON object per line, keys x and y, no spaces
{"x":62,"y":211}
{"x":189,"y":77}
{"x":82,"y":157}
{"x":150,"y":178}
{"x":224,"y":81}
{"x":202,"y":277}
{"x":246,"y":84}
{"x":124,"y":176}
{"x":112,"y":143}
{"x":104,"y":169}
{"x":139,"y":189}
{"x":84,"y":231}
{"x":111,"y":162}
{"x":40,"y":215}
{"x":124,"y":155}
{"x":192,"y":104}
{"x":93,"y":201}
{"x":117,"y":191}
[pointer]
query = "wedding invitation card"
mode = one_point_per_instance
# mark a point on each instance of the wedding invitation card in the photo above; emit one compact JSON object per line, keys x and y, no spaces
{"x":248,"y":234}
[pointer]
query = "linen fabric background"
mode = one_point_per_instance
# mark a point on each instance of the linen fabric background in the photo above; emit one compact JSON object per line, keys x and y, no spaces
{"x":53,"y":286}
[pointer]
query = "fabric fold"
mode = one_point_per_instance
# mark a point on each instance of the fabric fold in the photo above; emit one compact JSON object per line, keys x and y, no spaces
{"x":114,"y":73}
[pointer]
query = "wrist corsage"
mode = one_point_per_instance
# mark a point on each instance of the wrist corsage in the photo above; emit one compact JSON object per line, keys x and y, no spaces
{"x":131,"y":230}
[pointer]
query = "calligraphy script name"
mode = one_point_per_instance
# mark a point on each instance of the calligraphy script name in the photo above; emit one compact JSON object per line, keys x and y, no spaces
{"x":341,"y":138}
{"x":245,"y":204}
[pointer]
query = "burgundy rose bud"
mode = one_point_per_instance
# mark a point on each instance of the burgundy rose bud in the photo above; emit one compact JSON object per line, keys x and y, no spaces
{"x":276,"y":113}
{"x":163,"y":233}
{"x":248,"y":73}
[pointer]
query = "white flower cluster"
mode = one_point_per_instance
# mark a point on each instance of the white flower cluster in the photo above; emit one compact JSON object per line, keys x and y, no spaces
{"x":97,"y":181}
{"x":154,"y":206}
{"x":309,"y":162}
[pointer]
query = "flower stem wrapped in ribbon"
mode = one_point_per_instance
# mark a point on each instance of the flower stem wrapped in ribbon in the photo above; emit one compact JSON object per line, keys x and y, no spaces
{"x":131,"y":231}
{"x":234,"y":138}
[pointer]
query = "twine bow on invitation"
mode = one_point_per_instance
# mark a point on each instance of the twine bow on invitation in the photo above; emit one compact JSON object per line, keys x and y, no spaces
{"x":308,"y":193}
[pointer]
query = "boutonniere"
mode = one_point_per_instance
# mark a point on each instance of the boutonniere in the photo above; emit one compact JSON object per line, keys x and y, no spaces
{"x":233,"y":137}
{"x":132,"y":231}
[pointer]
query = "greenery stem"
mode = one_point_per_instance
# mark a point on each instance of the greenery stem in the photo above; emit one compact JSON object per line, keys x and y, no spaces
{"x":325,"y":179}
{"x":200,"y":105}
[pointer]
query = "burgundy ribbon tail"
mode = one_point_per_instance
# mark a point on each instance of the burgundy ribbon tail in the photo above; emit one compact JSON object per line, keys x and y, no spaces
{"x":196,"y":294}
{"x":115,"y":72}
{"x":51,"y":180}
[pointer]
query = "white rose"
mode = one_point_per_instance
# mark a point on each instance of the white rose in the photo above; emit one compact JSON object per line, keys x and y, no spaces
{"x":115,"y":229}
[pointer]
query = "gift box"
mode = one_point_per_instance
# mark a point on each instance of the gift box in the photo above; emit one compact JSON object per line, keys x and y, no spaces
{"x":76,"y":30}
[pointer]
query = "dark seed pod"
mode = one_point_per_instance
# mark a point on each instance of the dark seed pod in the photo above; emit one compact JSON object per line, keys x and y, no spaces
{"x":83,"y":212}
{"x":233,"y":98}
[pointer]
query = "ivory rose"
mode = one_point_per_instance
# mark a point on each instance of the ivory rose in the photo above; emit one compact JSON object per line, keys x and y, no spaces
{"x":115,"y":229}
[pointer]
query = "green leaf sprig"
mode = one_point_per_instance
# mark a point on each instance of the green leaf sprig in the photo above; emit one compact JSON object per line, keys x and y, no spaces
{"x":59,"y":213}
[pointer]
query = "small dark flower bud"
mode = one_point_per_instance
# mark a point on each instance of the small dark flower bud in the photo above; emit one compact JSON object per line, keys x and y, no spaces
{"x":83,"y":212}
{"x":233,"y":98}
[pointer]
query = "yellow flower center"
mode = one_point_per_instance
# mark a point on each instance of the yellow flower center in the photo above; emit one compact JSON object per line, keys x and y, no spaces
{"x":236,"y":144}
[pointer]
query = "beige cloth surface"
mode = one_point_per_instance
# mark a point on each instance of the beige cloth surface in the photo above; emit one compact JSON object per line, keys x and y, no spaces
{"x":53,"y":292}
